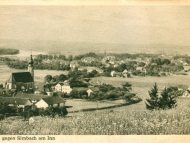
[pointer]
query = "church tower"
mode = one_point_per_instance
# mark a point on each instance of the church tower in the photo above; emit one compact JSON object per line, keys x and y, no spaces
{"x":30,"y":66}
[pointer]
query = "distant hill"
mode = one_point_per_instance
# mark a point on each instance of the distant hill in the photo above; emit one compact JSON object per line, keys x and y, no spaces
{"x":76,"y":48}
{"x":5,"y":51}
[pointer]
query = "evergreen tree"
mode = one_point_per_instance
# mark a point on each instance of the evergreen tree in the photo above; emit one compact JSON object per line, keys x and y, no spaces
{"x":152,"y":103}
{"x":168,"y":101}
{"x":165,"y":101}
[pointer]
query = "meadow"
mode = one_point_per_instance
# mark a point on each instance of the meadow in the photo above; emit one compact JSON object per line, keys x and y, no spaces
{"x":81,"y":104}
{"x":125,"y":120}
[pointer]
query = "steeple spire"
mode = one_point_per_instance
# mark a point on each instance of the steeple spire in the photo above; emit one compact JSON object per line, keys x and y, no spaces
{"x":30,"y":65}
{"x":31,"y":59}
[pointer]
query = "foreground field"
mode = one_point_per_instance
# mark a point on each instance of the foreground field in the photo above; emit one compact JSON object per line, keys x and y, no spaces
{"x":106,"y":122}
{"x":126,"y":120}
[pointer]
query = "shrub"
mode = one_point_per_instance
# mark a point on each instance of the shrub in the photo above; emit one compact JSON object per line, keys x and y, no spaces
{"x":2,"y":116}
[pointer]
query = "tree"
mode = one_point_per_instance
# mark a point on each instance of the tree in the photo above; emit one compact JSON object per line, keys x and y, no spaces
{"x":48,"y":78}
{"x":127,"y":87}
{"x":70,"y":58}
{"x":152,"y":103}
{"x":62,"y":78}
{"x":167,"y":101}
{"x":164,"y":101}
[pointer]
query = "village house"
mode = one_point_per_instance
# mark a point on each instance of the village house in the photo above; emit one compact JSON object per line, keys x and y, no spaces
{"x":16,"y":102}
{"x":108,"y":59}
{"x":47,"y":61}
{"x":63,"y":62}
{"x":141,"y":69}
{"x":125,"y":73}
{"x":49,"y":93}
{"x":88,"y":60}
{"x":186,"y":68}
{"x":66,"y":88}
{"x":54,"y":101}
{"x":92,"y":90}
{"x":58,"y":87}
{"x":33,"y":97}
{"x":74,"y":64}
{"x":118,"y":74}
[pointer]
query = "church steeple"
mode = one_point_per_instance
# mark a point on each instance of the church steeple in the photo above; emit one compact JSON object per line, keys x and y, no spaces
{"x":30,"y":66}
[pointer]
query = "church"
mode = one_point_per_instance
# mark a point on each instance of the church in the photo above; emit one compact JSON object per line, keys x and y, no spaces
{"x":22,"y":80}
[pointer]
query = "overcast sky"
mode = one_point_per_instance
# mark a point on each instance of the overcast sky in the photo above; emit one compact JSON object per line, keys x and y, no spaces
{"x":148,"y":24}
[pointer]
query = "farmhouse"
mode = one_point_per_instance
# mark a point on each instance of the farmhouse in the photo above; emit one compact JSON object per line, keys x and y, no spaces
{"x":58,"y":87}
{"x":186,"y":68}
{"x":54,"y":101}
{"x":66,"y":89}
{"x":141,"y":69}
{"x":115,"y":74}
{"x":33,"y":97}
{"x":92,"y":90}
{"x":88,"y":59}
{"x":17,"y":102}
{"x":22,"y":80}
{"x":74,"y":64}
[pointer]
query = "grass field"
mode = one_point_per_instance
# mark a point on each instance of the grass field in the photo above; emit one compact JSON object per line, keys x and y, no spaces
{"x":141,"y":85}
{"x":83,"y":104}
{"x":127,"y":120}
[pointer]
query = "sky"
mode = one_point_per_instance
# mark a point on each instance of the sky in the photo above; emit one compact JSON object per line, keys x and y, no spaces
{"x":100,"y":23}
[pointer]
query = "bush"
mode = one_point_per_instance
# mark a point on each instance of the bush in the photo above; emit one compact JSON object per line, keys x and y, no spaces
{"x":164,"y":101}
{"x":2,"y":116}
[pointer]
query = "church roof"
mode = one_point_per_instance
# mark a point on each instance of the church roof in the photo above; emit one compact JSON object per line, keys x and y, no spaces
{"x":21,"y":77}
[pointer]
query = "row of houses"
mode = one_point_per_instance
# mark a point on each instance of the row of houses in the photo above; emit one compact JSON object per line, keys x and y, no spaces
{"x":27,"y":100}
{"x":107,"y":60}
{"x":126,"y":73}
{"x":66,"y":88}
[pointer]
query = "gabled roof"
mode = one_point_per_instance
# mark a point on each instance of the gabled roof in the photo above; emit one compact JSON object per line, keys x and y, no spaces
{"x":32,"y":96}
{"x":22,"y":101}
{"x":54,"y":100}
{"x":21,"y":77}
{"x":94,"y":89}
{"x":9,"y":100}
{"x":14,"y":100}
{"x":60,"y":84}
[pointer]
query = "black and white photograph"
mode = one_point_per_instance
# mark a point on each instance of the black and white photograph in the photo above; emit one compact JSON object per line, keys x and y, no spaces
{"x":81,"y":67}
